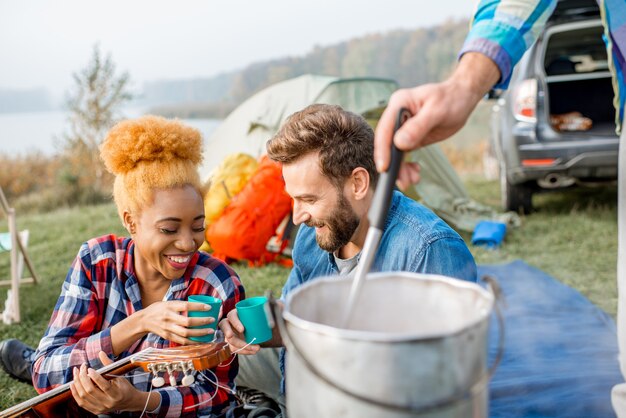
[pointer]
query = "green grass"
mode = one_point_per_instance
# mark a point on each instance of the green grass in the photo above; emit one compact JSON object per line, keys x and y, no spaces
{"x":572,"y":236}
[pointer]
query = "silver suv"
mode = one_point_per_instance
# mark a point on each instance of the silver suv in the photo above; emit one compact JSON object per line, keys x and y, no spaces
{"x":555,"y":125}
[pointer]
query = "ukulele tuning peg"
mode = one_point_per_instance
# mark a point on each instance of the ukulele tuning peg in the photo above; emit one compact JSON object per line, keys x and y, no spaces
{"x":187,"y":370}
{"x":170,"y":372}
{"x":157,"y":381}
{"x":188,"y":380}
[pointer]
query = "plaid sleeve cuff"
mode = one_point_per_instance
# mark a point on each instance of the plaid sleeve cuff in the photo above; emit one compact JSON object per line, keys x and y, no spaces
{"x":171,"y":403}
{"x":100,"y":341}
{"x":502,"y":43}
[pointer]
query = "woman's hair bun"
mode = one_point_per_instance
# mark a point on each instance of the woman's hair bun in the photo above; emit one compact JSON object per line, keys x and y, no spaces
{"x":149,"y":139}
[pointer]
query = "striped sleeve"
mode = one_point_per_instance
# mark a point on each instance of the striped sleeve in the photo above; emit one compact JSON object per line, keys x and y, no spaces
{"x":73,"y":336}
{"x":504,"y":30}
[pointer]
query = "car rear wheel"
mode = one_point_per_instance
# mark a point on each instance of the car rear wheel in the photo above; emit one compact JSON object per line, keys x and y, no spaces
{"x":515,"y":197}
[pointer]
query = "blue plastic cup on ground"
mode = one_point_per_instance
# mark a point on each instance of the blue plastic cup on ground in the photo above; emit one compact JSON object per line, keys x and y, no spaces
{"x":489,"y":234}
{"x":253,"y":315}
{"x":215,"y":304}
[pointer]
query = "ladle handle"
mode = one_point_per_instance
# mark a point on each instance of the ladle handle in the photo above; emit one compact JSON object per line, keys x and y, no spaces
{"x":377,"y":214}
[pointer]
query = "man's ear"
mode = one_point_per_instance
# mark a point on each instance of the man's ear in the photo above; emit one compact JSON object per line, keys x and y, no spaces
{"x":359,"y":183}
{"x":129,"y":222}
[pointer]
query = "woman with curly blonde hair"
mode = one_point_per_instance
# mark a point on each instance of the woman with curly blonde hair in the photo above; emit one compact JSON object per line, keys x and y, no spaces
{"x":122,"y":295}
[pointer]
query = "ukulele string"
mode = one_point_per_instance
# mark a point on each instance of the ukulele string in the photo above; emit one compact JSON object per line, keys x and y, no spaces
{"x":138,"y":374}
{"x":131,"y":375}
{"x":217,"y":388}
{"x":234,"y":354}
{"x":128,"y":375}
{"x":214,"y":382}
{"x":147,"y":401}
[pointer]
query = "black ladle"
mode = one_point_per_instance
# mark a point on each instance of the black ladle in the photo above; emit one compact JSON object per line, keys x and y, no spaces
{"x":377,"y":216}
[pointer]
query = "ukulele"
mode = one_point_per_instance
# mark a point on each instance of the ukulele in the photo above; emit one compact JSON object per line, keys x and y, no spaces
{"x":59,"y":403}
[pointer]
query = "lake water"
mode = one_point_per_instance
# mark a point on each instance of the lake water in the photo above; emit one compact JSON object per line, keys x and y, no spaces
{"x":22,"y":133}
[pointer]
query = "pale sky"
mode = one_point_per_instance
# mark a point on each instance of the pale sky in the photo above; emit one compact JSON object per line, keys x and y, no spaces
{"x":42,"y":42}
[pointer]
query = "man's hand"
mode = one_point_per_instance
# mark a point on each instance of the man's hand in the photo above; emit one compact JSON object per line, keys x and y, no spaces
{"x":233,"y":329}
{"x":439,"y":110}
{"x":408,"y":175}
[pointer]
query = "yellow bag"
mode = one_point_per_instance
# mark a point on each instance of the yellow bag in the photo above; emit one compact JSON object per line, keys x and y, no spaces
{"x":226,"y":181}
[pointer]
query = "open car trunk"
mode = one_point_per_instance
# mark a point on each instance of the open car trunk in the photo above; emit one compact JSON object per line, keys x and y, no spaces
{"x":578,"y":78}
{"x":592,"y":98}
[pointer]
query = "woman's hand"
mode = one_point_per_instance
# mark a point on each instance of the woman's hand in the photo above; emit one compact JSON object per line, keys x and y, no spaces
{"x":168,"y":320}
{"x":99,"y":395}
{"x":233,"y":329}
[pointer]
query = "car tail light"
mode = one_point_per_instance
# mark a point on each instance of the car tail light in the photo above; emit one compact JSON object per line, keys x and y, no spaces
{"x":525,"y":101}
{"x":538,"y":162}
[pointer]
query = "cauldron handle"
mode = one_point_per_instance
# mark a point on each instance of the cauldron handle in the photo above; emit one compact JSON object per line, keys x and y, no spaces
{"x":498,"y":298}
{"x":476,"y":387}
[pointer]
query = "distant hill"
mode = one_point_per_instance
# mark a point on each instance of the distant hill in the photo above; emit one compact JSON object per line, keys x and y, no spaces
{"x":211,"y":90}
{"x":410,"y":57}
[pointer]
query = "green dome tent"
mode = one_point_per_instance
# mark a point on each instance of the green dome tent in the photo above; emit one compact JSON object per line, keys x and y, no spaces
{"x":256,"y":120}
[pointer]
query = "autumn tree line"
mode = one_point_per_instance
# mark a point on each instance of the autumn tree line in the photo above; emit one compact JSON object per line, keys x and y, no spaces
{"x":76,"y":176}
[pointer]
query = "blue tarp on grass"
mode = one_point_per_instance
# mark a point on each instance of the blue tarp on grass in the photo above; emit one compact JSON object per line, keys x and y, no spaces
{"x":560,"y":357}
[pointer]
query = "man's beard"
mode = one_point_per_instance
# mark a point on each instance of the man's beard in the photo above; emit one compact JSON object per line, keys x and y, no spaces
{"x":341,"y":226}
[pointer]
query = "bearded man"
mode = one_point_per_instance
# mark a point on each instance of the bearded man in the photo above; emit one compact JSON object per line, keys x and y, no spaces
{"x":327,"y":155}
{"x":329,"y":171}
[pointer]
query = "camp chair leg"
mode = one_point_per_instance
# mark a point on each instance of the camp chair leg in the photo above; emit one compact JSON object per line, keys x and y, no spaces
{"x":22,"y":243}
{"x":8,"y":315}
{"x":19,"y":257}
{"x":11,"y":311}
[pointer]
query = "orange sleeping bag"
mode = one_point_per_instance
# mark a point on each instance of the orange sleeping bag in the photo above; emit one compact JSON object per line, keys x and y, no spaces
{"x":252,"y":216}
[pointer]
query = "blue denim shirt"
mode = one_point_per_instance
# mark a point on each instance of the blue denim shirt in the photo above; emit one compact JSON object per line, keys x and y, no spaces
{"x":414,"y":239}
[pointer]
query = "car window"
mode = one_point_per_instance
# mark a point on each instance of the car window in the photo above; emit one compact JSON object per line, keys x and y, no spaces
{"x":575,"y":52}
